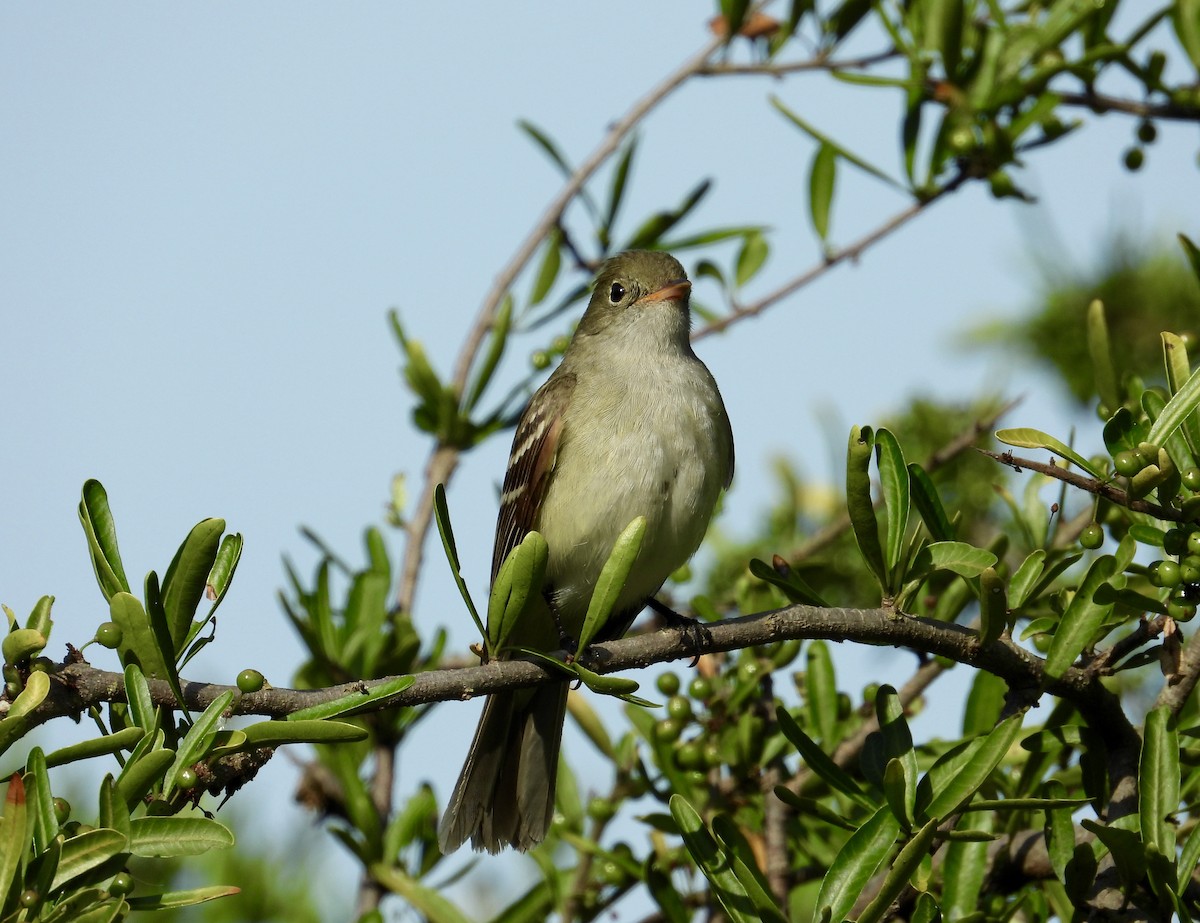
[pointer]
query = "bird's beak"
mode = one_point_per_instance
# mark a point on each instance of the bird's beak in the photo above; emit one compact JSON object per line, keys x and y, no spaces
{"x":672,"y":291}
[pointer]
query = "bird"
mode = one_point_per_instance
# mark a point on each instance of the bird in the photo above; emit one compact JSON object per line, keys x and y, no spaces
{"x":631,"y":423}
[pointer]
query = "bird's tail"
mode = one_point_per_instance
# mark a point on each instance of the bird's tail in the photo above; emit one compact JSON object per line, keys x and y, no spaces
{"x":505,"y":794}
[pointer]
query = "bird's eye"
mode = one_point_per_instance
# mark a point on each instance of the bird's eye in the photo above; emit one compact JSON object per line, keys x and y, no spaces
{"x":616,"y":293}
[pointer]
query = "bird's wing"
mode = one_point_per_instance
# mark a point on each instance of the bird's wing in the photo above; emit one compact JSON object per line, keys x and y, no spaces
{"x":535,"y":445}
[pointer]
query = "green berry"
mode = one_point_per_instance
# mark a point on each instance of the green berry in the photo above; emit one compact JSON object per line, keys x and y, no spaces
{"x":668,"y":683}
{"x":1002,"y":185}
{"x":712,"y":755}
{"x":62,"y":810}
{"x":1181,"y":610}
{"x":1166,"y":574}
{"x":187,"y":778}
{"x":1190,"y":478}
{"x":1188,"y":573}
{"x":1134,"y":158}
{"x":109,"y":635}
{"x":540,"y":359}
{"x":1147,"y":132}
{"x":1175,"y":541}
{"x":668,"y":730}
{"x":250,"y":681}
{"x":121,"y":884}
{"x":611,"y":873}
{"x":29,"y":898}
{"x":1189,"y":339}
{"x":560,"y":343}
{"x":749,"y":670}
{"x":679,"y":707}
{"x":1127,"y":463}
{"x":1092,"y":536}
{"x":690,"y":755}
{"x":601,"y":809}
{"x":700,"y":688}
{"x":1193,"y":543}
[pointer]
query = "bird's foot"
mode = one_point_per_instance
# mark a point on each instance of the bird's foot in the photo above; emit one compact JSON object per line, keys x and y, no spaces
{"x":695,"y":633}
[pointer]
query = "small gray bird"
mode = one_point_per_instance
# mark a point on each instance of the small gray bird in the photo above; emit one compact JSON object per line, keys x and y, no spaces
{"x":630,"y":424}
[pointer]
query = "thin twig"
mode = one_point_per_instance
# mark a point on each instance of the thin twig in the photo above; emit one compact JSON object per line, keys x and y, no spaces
{"x":851,"y":252}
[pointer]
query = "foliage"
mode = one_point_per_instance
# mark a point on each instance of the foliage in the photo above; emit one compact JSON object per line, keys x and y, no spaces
{"x":760,"y":789}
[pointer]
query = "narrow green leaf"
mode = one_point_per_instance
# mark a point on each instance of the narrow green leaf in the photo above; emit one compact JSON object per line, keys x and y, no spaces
{"x":497,"y":341}
{"x":745,"y":867}
{"x":39,"y":619}
{"x":1081,"y":620}
{"x":985,"y":755}
{"x":1175,"y":358}
{"x":520,"y":577}
{"x":929,"y":504}
{"x":173,"y":900}
{"x":16,"y":832}
{"x":943,"y":32}
{"x":1189,"y":248}
{"x":1027,"y":438}
{"x":139,"y":776}
{"x":856,"y":864}
{"x":177,"y":836}
{"x":821,"y":179}
{"x":964,"y":870}
{"x":442,"y":515}
{"x":124,"y":739}
{"x":893,"y":481}
{"x":816,"y":760}
{"x":993,"y":606}
{"x":199,"y":738}
{"x":707,"y":853}
{"x":113,"y":812}
{"x":1185,"y":15}
{"x":101,"y":532}
{"x":428,"y":902}
{"x":985,"y":701}
{"x":859,"y":503}
{"x":144,"y":642}
{"x":1025,"y":577}
{"x":276,"y":733}
{"x":548,"y":269}
{"x":1059,"y":831}
{"x":899,"y":874}
{"x":841,"y":151}
{"x":187,"y":577}
{"x":793,"y":586}
{"x":39,"y":799}
{"x":137,"y":694}
{"x":751,"y":256}
{"x":355,"y":701}
{"x":221,"y":576}
{"x":84,"y":852}
{"x":1158,"y":781}
{"x":612,"y":579}
{"x":650,"y":234}
{"x":1101,"y":353}
{"x":616,"y":192}
{"x":1182,"y":405}
{"x":821,"y":697}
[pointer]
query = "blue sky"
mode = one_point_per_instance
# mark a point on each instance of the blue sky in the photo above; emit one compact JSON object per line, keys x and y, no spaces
{"x":210,"y":209}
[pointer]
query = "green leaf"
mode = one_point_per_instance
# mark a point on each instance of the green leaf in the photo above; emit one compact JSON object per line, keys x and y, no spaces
{"x":39,"y":799}
{"x":979,"y":759}
{"x":276,"y":733}
{"x":893,"y":480}
{"x":960,"y":558}
{"x":1101,"y":353}
{"x":199,"y":738}
{"x":1185,"y":15}
{"x":144,"y":642}
{"x":943,"y":32}
{"x":1024,"y":579}
{"x":520,"y":577}
{"x":442,"y":515}
{"x":704,"y":849}
{"x":965,"y":868}
{"x":929,"y":504}
{"x":84,"y":852}
{"x":751,"y":256}
{"x":901,"y":871}
{"x":173,"y":900}
{"x":1189,"y":248}
{"x":429,"y":903}
{"x":792,"y":585}
{"x":1081,"y":620}
{"x":223,"y":569}
{"x":497,"y":341}
{"x":745,"y":867}
{"x":124,"y":739}
{"x":1059,"y":831}
{"x":993,"y":606}
{"x":859,"y":503}
{"x":177,"y":836}
{"x":985,"y":701}
{"x":113,"y":812}
{"x":1027,"y":438}
{"x":355,"y":701}
{"x":616,"y":193}
{"x":187,"y":576}
{"x":650,"y":234}
{"x":821,"y":180}
{"x":140,"y":775}
{"x":39,"y":619}
{"x":548,"y":270}
{"x":16,"y":833}
{"x":821,"y":696}
{"x":855,"y":865}
{"x":816,"y":760}
{"x":1181,"y":406}
{"x":101,"y":532}
{"x":612,"y":579}
{"x":1158,"y":781}
{"x":137,"y":694}
{"x":841,"y":151}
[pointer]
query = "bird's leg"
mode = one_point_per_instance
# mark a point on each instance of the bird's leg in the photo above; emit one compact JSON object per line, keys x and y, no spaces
{"x":565,"y":641}
{"x":694,"y":632}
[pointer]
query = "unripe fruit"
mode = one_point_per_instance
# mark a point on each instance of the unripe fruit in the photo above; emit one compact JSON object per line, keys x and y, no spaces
{"x":109,"y":635}
{"x":690,"y":755}
{"x":668,"y":683}
{"x":62,"y":810}
{"x":1191,"y":478}
{"x":668,"y":730}
{"x":121,"y":884}
{"x":187,"y":778}
{"x":700,"y":688}
{"x":679,"y":707}
{"x":540,"y":359}
{"x":1127,"y":463}
{"x":250,"y":681}
{"x":1134,"y":158}
{"x":1166,"y":574}
{"x":1092,"y":536}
